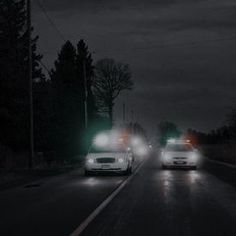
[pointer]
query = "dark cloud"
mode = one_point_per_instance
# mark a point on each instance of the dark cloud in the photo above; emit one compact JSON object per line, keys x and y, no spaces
{"x":182,"y":53}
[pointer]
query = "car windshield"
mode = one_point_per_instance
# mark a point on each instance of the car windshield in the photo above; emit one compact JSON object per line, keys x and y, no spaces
{"x":119,"y":148}
{"x":179,"y":148}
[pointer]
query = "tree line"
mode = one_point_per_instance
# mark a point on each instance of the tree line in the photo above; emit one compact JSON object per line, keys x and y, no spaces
{"x":63,"y":124}
{"x":226,"y":134}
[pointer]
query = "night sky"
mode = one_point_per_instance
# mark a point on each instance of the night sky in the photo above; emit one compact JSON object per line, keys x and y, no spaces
{"x":182,"y":53}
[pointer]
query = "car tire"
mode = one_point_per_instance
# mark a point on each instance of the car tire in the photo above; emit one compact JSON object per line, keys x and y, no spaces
{"x":194,"y":167}
{"x":164,"y":167}
{"x":128,"y":171}
{"x":87,"y":173}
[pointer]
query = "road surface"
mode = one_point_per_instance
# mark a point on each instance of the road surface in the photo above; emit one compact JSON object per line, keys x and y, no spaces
{"x":153,"y":202}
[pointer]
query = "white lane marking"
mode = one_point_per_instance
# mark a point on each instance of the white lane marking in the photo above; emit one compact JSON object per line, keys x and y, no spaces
{"x":101,"y":207}
{"x":222,"y":163}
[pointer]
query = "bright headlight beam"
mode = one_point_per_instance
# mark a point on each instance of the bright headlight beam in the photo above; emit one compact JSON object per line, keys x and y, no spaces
{"x":101,"y":140}
{"x":90,"y":160}
{"x":120,"y":160}
{"x":171,"y":140}
{"x":135,"y":141}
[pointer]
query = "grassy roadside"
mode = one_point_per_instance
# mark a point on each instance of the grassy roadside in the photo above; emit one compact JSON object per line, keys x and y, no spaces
{"x":16,"y":177}
{"x":221,"y":152}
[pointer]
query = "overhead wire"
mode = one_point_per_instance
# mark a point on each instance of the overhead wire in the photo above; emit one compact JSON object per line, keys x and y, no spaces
{"x":50,"y":20}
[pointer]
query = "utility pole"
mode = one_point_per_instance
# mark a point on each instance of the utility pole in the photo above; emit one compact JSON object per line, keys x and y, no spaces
{"x":132,"y":120}
{"x":85,"y":95}
{"x":31,"y":113}
{"x":124,"y":111}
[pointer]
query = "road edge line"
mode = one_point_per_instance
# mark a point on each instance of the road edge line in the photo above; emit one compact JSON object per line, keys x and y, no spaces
{"x":104,"y":204}
{"x":222,"y":163}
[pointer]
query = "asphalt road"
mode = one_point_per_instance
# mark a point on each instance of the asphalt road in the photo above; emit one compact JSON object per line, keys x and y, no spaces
{"x":153,"y":202}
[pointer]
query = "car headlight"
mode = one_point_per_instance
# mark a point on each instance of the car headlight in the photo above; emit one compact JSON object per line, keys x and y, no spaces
{"x":90,"y":160}
{"x":121,"y":160}
{"x":194,"y":157}
{"x":166,"y":157}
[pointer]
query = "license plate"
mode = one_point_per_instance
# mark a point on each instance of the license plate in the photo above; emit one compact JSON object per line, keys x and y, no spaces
{"x":105,"y":167}
{"x":180,"y":162}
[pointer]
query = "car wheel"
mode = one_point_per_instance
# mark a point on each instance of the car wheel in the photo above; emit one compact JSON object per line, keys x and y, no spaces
{"x":128,"y":171}
{"x":194,"y":167}
{"x":87,"y":173}
{"x":164,"y":167}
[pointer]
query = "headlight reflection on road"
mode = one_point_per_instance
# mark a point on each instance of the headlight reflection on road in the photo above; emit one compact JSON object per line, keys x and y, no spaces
{"x":92,"y":181}
{"x":167,"y":179}
{"x":193,"y":176}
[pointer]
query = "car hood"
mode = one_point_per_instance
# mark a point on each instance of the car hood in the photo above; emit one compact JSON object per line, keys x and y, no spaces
{"x":106,"y":154}
{"x":179,"y":154}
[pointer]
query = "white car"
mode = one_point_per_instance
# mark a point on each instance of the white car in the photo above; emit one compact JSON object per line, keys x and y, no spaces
{"x":179,"y":154}
{"x":109,"y":160}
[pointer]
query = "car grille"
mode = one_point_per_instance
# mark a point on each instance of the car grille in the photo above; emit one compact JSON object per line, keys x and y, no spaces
{"x":105,"y":160}
{"x":180,"y":158}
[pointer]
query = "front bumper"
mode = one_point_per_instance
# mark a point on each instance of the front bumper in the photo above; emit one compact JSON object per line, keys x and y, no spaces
{"x":106,"y":167}
{"x":179,"y":163}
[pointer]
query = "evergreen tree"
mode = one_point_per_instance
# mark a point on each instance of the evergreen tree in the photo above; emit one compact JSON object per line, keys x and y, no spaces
{"x":13,"y":73}
{"x":85,"y":65}
{"x":43,"y":114}
{"x":167,"y":130}
{"x":72,"y":67}
{"x":68,"y":100}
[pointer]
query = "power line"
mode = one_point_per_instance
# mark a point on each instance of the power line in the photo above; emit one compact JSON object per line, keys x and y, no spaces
{"x":44,"y":10}
{"x":45,"y":67}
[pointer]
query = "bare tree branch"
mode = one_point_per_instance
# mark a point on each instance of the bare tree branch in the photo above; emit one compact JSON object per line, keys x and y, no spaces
{"x":111,"y":78}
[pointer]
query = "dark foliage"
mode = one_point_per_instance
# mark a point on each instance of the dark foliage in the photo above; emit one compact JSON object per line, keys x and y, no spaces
{"x":221,"y":135}
{"x":14,"y":93}
{"x":167,"y":130}
{"x":72,"y":67}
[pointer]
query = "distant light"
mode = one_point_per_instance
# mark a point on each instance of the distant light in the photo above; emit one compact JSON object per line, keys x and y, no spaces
{"x":128,"y":148}
{"x":101,"y":140}
{"x":135,"y":141}
{"x":120,"y":140}
{"x":141,"y":151}
{"x":188,"y":141}
{"x":150,"y":146}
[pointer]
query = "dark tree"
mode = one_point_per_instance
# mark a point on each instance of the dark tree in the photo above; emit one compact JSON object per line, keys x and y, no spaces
{"x":111,"y":78}
{"x":136,"y":129}
{"x":167,"y":130}
{"x":85,"y":70}
{"x":43,"y":115}
{"x":14,"y":78}
{"x":68,"y":104}
{"x":73,"y":68}
{"x":231,"y":120}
